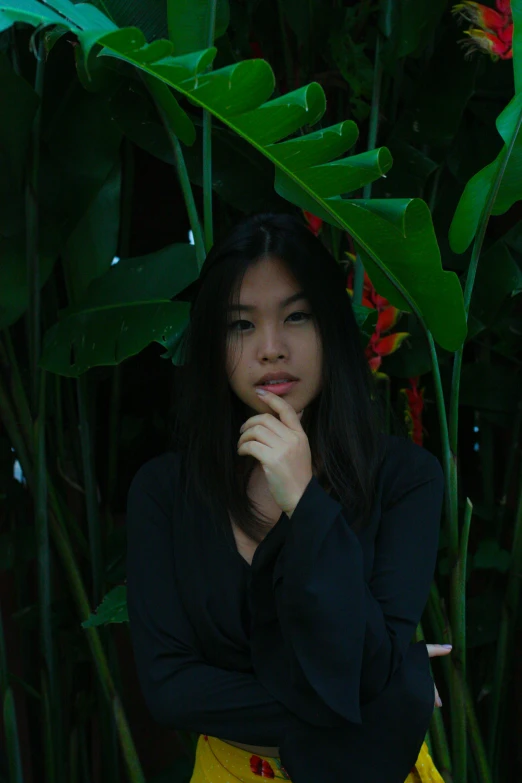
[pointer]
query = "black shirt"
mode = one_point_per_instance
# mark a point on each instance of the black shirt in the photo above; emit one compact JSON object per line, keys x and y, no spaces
{"x":310,"y":648}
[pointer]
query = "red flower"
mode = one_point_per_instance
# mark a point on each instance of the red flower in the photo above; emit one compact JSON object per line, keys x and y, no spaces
{"x":492,"y":29}
{"x":261,"y":767}
{"x":380,"y":344}
{"x":314,"y":223}
{"x":414,"y":407}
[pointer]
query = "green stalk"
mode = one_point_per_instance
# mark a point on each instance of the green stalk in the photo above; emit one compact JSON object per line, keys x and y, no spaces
{"x":441,"y":629}
{"x":474,"y":734}
{"x":458,"y":715}
{"x":77,"y":589}
{"x":449,"y":465}
{"x":32,"y":236}
{"x":12,"y":742}
{"x":14,"y":757}
{"x":98,"y":655}
{"x":91,"y":498}
{"x":436,"y":729}
{"x":160,"y":95}
{"x":207,"y":145}
{"x":289,"y":68}
{"x":73,"y":755}
{"x":441,"y":754}
{"x":457,"y":707}
{"x":507,"y":633}
{"x":438,"y":732}
{"x":49,"y":763}
{"x":458,"y":654}
{"x":358,"y":280}
{"x":47,"y":643}
{"x":9,"y":365}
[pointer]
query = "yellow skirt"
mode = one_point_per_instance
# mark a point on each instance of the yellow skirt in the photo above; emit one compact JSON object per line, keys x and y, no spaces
{"x":219,"y":762}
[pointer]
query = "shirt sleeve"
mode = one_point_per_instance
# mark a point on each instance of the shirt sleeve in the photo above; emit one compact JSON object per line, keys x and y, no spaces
{"x":180,"y":689}
{"x":346,"y":636}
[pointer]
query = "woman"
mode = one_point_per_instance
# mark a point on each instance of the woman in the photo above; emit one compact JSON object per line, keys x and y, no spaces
{"x":280,"y":558}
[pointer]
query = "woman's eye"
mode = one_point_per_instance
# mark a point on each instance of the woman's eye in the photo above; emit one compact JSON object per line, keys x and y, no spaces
{"x":234,"y":324}
{"x":306,"y":315}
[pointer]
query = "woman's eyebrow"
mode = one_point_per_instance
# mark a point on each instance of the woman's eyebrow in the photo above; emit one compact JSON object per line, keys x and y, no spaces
{"x":294,"y":298}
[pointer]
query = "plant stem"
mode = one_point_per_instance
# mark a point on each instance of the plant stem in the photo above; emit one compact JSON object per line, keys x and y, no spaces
{"x":32,"y":235}
{"x":289,"y":68}
{"x":474,"y":734}
{"x":63,"y":545}
{"x":507,"y":632}
{"x":207,"y":145}
{"x":47,"y":643}
{"x":450,"y":495}
{"x":358,"y":279}
{"x":9,"y":365}
{"x":458,"y":654}
{"x":98,"y":655}
{"x":458,"y":718}
{"x":91,"y":497}
{"x":181,"y":170}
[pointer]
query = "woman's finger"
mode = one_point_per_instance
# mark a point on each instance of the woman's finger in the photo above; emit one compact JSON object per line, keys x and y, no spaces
{"x":435,"y":650}
{"x":261,"y":434}
{"x":438,"y":700}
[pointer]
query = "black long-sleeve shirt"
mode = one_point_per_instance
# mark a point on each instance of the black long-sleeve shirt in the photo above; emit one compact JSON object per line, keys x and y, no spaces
{"x":309,"y":648}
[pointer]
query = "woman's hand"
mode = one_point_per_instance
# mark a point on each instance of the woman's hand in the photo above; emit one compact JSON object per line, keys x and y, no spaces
{"x":281,"y":446}
{"x":433,"y":651}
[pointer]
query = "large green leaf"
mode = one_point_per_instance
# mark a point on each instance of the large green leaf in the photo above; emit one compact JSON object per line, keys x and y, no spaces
{"x":476,"y":193}
{"x":306,"y":172}
{"x":14,"y":291}
{"x":122,"y":312}
{"x":91,"y":247}
{"x":469,"y":210}
{"x":80,"y":147}
{"x":18,"y":103}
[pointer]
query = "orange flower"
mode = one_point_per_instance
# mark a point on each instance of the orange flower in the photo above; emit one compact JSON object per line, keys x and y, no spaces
{"x":492,"y":30}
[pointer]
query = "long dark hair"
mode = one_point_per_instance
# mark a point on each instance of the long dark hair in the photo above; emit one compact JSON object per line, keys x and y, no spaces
{"x":343,"y":423}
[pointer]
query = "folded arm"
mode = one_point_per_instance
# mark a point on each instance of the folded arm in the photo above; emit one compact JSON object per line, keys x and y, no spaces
{"x":180,"y":689}
{"x":348,"y":636}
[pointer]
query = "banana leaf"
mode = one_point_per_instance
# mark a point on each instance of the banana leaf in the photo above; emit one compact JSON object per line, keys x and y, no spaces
{"x":396,"y":235}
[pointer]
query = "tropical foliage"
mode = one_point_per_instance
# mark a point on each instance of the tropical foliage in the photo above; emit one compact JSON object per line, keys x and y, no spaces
{"x":127,"y":125}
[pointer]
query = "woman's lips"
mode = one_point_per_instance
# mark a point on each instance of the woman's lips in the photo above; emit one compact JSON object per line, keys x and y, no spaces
{"x":278,"y":388}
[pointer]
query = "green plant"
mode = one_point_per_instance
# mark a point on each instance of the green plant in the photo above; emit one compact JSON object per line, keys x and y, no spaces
{"x":137,"y":80}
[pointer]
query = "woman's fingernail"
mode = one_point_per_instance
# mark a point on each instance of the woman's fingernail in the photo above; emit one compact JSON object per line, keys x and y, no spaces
{"x":260,"y":391}
{"x":448,"y":646}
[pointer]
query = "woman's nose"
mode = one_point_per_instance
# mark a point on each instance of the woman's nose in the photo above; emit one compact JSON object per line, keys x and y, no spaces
{"x":271,"y":345}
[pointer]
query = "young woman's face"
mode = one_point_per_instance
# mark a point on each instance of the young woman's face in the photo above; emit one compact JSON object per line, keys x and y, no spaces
{"x":267,"y":336}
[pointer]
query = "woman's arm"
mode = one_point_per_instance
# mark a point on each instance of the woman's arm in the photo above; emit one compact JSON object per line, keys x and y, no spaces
{"x":348,"y":637}
{"x":180,"y":689}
